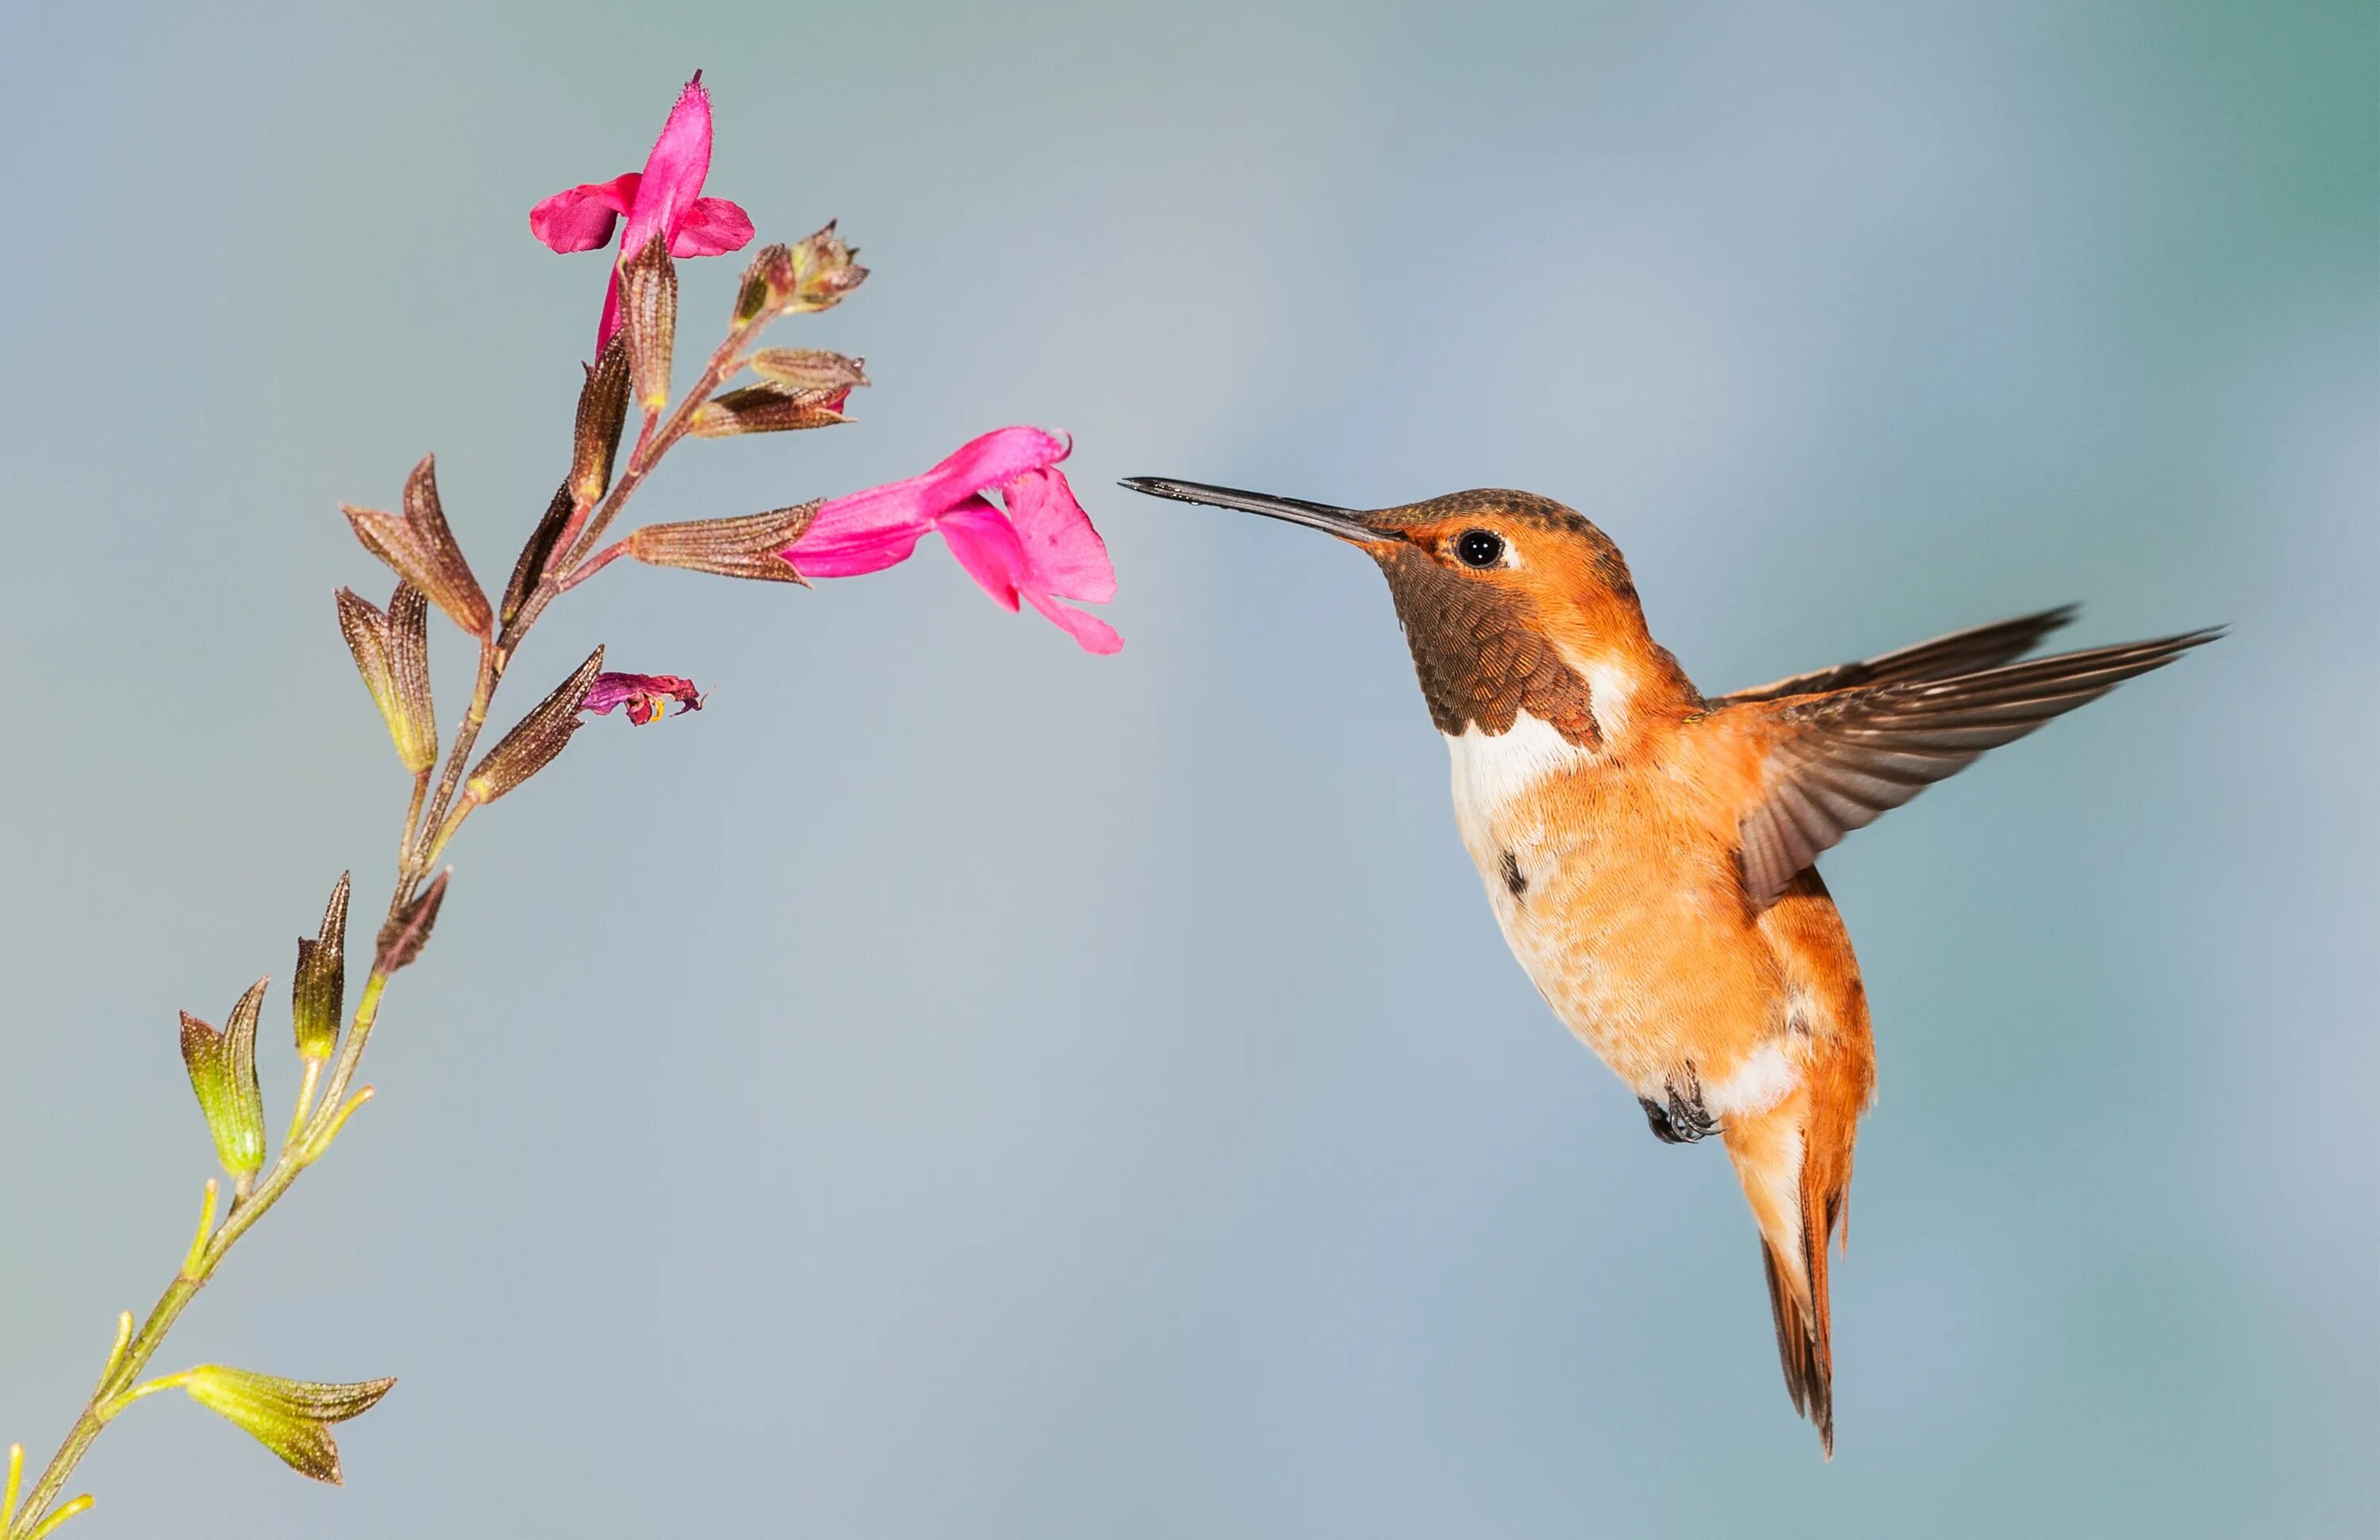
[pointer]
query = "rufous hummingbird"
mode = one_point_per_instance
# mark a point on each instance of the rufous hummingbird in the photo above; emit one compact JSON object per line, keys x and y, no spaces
{"x":1648,"y":850}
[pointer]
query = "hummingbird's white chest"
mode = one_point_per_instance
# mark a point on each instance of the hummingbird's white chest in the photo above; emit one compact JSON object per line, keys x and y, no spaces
{"x":1641,"y":952}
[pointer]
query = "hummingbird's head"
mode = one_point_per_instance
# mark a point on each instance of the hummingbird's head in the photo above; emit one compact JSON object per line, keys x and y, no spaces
{"x":1510,"y":601}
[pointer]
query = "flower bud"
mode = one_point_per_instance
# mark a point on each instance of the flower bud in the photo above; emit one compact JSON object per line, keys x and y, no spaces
{"x":392,"y":652}
{"x":422,"y":549}
{"x":648,"y":320}
{"x":405,"y":932}
{"x":602,"y":410}
{"x":807,"y":369}
{"x":768,"y":409}
{"x":824,"y":271}
{"x":766,"y":286}
{"x":744,"y":547}
{"x":222,"y":1073}
{"x":291,"y":1417}
{"x":317,"y":991}
{"x":536,"y":738}
{"x":537,"y":550}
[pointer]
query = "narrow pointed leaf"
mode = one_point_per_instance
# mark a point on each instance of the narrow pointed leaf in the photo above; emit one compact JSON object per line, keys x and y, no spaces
{"x":747,"y":547}
{"x":405,"y":933}
{"x":290,"y":1417}
{"x":318,"y":991}
{"x":537,"y":737}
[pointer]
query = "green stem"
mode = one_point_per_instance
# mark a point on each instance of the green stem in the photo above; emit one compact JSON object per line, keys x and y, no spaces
{"x":429,"y":824}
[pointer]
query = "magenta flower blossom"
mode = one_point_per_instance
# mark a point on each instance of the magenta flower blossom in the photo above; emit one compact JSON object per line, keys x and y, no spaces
{"x":1040,"y":549}
{"x":664,"y":199}
{"x":646,"y":695}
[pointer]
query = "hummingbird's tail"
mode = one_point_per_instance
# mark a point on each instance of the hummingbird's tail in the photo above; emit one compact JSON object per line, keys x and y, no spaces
{"x":1795,"y":1158}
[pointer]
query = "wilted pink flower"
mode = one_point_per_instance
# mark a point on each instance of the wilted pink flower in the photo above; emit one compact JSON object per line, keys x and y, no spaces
{"x":1042,"y":548}
{"x":646,"y":695}
{"x":664,"y":199}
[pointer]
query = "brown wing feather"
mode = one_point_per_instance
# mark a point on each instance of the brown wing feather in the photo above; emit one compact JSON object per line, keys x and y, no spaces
{"x":1835,"y":762}
{"x":1945,"y":657}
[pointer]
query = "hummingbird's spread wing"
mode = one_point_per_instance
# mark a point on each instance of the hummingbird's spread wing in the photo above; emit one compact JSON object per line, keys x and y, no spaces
{"x":1947,"y":657}
{"x":1833,"y":761}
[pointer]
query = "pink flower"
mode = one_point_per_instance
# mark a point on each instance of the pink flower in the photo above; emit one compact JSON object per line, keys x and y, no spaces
{"x":1042,"y":548}
{"x":646,"y":695}
{"x":664,"y":199}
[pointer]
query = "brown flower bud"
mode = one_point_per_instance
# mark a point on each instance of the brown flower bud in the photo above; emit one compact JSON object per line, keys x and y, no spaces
{"x":602,"y":410}
{"x":824,"y":271}
{"x":744,"y":547}
{"x":648,"y":320}
{"x":536,"y":738}
{"x":537,"y":552}
{"x":405,"y":933}
{"x":768,"y":409}
{"x":317,"y":993}
{"x":422,"y":549}
{"x":807,"y":369}
{"x":392,"y":652}
{"x":768,"y":285}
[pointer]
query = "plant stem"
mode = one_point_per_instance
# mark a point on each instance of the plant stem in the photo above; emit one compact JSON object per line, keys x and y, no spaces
{"x":429,"y":824}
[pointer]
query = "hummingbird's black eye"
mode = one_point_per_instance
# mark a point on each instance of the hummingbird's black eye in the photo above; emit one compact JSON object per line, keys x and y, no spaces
{"x":1479,"y":548}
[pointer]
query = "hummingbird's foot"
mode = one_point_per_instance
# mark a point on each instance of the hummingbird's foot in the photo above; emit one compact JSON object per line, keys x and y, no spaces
{"x":1685,"y":1119}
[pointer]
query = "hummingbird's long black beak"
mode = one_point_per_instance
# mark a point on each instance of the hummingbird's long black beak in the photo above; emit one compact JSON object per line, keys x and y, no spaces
{"x":1345,"y":523}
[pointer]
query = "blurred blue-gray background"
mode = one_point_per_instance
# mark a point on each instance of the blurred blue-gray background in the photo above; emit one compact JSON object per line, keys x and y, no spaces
{"x":959,"y":1086}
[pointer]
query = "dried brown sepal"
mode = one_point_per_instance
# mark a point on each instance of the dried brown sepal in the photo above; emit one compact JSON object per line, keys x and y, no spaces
{"x":291,"y":1417}
{"x":222,"y":1073}
{"x":420,"y":547}
{"x":824,"y":271}
{"x":809,"y":369}
{"x":648,"y":320}
{"x":538,"y":550}
{"x":405,"y":933}
{"x":768,"y":409}
{"x":747,"y":547}
{"x":366,"y":628}
{"x":408,"y":674}
{"x":766,"y":286}
{"x":602,"y":412}
{"x":318,"y":990}
{"x":536,"y":738}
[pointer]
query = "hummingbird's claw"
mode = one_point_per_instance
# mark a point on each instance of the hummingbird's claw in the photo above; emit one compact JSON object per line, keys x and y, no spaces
{"x":1685,"y":1119}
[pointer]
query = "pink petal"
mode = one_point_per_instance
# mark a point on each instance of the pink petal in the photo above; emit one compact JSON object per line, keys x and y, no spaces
{"x":912,"y":505}
{"x":713,"y":227}
{"x":674,"y":172}
{"x":611,"y":321}
{"x":852,"y":551}
{"x":982,"y":539}
{"x":645,"y":694}
{"x":1094,"y":634}
{"x":1064,"y":553}
{"x":580,"y":218}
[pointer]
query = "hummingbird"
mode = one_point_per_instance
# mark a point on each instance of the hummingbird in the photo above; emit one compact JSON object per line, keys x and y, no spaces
{"x":1649,"y":851}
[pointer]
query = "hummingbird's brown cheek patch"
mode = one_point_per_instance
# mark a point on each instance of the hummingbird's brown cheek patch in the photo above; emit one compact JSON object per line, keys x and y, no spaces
{"x":1478,"y":657}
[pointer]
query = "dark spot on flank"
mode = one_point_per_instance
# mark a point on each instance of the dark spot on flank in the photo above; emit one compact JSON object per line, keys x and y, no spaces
{"x":1514,"y":883}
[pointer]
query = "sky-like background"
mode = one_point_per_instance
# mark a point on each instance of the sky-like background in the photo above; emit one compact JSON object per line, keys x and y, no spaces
{"x":959,"y":1086}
